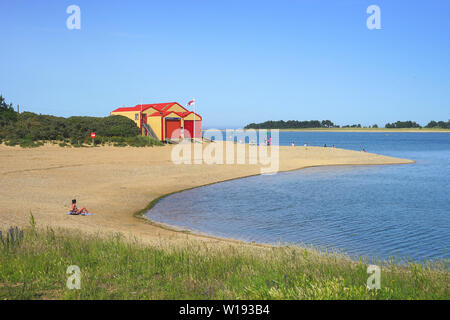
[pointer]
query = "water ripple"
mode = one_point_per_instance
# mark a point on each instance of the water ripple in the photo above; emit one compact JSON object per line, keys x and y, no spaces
{"x":383,"y":211}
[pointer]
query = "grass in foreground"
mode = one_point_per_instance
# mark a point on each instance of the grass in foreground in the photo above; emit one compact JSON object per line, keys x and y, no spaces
{"x":33,"y":266}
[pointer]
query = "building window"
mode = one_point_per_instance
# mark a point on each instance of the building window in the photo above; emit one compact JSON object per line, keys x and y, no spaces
{"x":136,"y":116}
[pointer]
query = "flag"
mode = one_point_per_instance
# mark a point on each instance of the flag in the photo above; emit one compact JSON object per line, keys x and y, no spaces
{"x":191,"y":102}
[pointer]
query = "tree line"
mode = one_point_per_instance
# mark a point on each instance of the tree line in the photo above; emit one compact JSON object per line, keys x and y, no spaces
{"x":295,"y":124}
{"x":30,"y":129}
{"x":291,"y":124}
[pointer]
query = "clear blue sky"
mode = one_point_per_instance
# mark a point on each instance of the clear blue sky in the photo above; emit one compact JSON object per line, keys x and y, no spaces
{"x":244,"y":61}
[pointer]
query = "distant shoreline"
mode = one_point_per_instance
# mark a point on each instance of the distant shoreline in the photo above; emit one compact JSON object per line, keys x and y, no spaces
{"x":380,"y":130}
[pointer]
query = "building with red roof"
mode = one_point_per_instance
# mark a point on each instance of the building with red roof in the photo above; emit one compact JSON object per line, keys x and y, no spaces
{"x":164,"y":121}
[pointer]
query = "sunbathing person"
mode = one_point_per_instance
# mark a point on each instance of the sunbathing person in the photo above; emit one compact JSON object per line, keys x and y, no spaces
{"x":75,"y":210}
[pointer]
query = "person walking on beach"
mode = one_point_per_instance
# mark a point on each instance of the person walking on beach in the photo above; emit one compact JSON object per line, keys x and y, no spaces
{"x":75,"y":210}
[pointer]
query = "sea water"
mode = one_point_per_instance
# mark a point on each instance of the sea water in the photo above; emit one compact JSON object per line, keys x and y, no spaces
{"x":380,"y":212}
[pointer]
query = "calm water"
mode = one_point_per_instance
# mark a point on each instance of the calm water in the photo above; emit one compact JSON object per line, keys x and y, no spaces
{"x":399,"y":211}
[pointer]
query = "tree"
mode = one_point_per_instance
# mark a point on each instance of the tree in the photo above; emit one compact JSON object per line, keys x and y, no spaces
{"x":403,"y":124}
{"x":431,"y":124}
{"x":291,"y":124}
{"x":327,"y":124}
{"x":7,"y":114}
{"x":444,"y":125}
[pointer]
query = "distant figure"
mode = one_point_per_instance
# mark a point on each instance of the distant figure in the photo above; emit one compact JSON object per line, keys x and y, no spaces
{"x":363,"y":150}
{"x":293,"y":143}
{"x":306,"y":144}
{"x":75,"y":210}
{"x":334,"y":146}
{"x":325,"y":145}
{"x":181,"y":133}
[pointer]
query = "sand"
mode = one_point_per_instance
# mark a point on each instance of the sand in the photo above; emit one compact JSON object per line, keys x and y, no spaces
{"x":115,"y":182}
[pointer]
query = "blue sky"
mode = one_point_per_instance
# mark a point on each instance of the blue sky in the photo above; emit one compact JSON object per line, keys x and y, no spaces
{"x":244,"y":61}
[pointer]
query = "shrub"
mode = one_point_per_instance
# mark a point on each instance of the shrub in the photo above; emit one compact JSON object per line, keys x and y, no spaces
{"x":27,"y":129}
{"x":12,"y":142}
{"x":28,"y":143}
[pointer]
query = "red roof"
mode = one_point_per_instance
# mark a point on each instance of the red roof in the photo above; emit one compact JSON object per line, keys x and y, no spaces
{"x":165,"y":113}
{"x":157,"y":106}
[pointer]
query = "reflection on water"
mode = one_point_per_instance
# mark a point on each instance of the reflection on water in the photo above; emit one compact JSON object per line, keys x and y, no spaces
{"x":397,"y":211}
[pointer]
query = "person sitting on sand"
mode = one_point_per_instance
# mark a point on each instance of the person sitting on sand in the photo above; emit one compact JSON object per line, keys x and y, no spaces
{"x":77,"y":211}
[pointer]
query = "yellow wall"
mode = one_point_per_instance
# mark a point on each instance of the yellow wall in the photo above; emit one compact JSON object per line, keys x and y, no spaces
{"x":155,"y":123}
{"x":176,"y":108}
{"x":128,"y":114}
{"x":191,"y":116}
{"x":150,"y":111}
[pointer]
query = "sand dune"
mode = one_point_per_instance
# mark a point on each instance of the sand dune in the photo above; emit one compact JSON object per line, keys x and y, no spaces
{"x":115,"y":182}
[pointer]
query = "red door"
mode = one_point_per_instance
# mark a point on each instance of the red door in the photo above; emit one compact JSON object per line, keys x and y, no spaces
{"x":144,"y":121}
{"x":171,"y":129}
{"x":189,"y":126}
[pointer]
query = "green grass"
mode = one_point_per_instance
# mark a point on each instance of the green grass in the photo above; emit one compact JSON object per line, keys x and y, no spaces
{"x":137,"y":141}
{"x":24,"y":143}
{"x":34,"y":267}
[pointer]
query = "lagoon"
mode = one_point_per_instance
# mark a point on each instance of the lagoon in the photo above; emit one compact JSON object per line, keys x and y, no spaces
{"x":380,"y":212}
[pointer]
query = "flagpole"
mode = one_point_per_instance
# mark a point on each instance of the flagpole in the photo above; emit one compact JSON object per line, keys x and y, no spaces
{"x":140,"y":118}
{"x":194,"y":120}
{"x":188,"y":105}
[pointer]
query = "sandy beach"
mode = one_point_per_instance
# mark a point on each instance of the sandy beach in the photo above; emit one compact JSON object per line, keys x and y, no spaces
{"x":115,"y":183}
